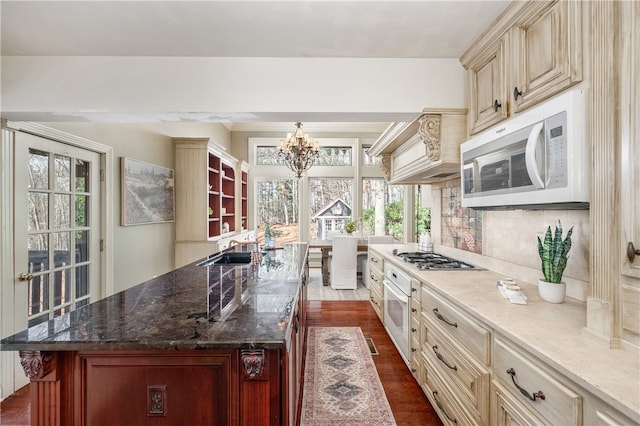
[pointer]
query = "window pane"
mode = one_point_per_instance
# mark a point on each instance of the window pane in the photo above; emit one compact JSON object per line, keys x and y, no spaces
{"x":331,"y":205}
{"x":277,"y":205}
{"x":422,"y":215}
{"x":38,"y":211}
{"x":38,"y":294}
{"x":61,"y":287}
{"x":369,"y":160}
{"x":61,"y":248}
{"x":382,"y":208}
{"x":38,"y":169}
{"x":62,"y":211}
{"x":82,"y":246}
{"x":334,"y":156}
{"x":268,"y":156}
{"x":82,"y":176}
{"x":38,"y":247}
{"x":62,"y":167}
{"x":82,"y":281}
{"x":82,"y":210}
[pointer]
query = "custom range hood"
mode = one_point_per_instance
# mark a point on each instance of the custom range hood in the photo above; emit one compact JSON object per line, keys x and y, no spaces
{"x":424,"y":150}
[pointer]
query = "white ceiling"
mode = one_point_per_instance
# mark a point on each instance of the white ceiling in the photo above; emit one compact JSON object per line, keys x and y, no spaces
{"x":308,"y":29}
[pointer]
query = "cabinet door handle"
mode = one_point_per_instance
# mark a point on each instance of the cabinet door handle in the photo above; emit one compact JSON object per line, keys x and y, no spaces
{"x":496,"y":105}
{"x":534,"y":396}
{"x":441,"y":358}
{"x":443,"y":319}
{"x":632,"y":252}
{"x":439,"y":404}
{"x":374,"y":260}
{"x":516,"y":93}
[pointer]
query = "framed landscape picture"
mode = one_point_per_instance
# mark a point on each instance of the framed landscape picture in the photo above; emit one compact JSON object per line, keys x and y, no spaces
{"x":147,"y":193}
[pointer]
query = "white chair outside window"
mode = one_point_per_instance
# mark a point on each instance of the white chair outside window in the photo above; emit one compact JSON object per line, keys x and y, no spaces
{"x":344,"y":265}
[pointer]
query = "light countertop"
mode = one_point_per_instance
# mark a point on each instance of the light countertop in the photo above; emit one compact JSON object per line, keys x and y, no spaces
{"x":555,"y":333}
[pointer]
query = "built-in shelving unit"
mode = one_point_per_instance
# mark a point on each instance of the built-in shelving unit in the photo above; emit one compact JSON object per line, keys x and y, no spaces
{"x":211,"y":199}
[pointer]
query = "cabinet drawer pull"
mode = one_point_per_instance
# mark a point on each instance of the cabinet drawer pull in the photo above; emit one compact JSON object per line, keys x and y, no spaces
{"x":536,"y":395}
{"x":441,"y":358}
{"x":414,"y":310}
{"x":374,"y":260}
{"x":443,"y":319}
{"x":439,"y":404}
{"x":374,"y":278}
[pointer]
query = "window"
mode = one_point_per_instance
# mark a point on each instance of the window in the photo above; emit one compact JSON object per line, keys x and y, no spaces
{"x":326,"y":196}
{"x":382,"y":208}
{"x":331,"y":205}
{"x":422,"y":215}
{"x":277,"y":205}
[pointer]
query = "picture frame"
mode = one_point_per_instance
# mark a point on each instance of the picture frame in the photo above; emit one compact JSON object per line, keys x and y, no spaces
{"x":147,"y":193}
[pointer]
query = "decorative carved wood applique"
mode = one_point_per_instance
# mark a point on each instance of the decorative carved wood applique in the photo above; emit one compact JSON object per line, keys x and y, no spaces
{"x":385,"y":165}
{"x":429,"y":131}
{"x":253,"y":361}
{"x":37,"y":364}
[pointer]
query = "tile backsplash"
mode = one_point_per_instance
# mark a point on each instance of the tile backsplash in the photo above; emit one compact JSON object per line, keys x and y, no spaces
{"x":461,"y":227}
{"x":506,"y":239}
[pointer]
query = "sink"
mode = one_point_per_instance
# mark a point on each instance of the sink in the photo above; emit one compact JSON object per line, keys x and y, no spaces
{"x":231,"y":258}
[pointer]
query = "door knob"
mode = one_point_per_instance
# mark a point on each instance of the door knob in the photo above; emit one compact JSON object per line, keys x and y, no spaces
{"x":25,"y":277}
{"x":632,"y":252}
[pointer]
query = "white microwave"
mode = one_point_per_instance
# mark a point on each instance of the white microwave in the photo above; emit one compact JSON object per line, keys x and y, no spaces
{"x":536,"y":160}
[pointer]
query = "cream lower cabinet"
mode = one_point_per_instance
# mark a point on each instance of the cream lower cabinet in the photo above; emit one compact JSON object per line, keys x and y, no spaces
{"x":474,"y":375}
{"x":415,"y":331}
{"x":525,"y":388}
{"x":456,"y":352}
{"x":375,"y":271}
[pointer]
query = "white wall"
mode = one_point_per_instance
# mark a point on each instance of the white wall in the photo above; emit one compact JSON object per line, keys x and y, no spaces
{"x":116,"y":88}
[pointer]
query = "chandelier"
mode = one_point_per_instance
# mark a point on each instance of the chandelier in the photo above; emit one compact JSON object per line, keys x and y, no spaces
{"x":299,"y":151}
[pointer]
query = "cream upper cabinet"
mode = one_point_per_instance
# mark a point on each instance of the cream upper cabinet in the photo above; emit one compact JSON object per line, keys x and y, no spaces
{"x":547,"y":53}
{"x":488,"y":87}
{"x":531,"y":52}
{"x":630,"y":171}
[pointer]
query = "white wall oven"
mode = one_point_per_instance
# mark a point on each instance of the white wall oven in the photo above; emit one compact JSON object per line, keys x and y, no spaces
{"x":397,"y":293}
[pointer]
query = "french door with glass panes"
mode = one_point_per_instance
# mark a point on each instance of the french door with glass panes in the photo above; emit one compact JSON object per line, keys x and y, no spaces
{"x":57,"y":221}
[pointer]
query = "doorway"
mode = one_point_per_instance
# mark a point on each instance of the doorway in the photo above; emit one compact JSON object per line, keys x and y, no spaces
{"x":54,"y":221}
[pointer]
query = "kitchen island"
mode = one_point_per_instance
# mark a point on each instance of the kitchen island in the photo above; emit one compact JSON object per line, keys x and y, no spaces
{"x":208,"y":343}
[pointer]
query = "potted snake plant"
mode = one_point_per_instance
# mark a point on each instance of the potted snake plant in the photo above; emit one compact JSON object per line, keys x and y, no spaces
{"x":554,"y":252}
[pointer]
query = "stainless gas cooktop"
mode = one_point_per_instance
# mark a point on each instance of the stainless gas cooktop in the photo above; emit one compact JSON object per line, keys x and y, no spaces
{"x":425,"y":260}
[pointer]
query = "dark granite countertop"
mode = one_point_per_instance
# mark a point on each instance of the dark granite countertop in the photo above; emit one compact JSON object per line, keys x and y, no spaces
{"x":193,"y":307}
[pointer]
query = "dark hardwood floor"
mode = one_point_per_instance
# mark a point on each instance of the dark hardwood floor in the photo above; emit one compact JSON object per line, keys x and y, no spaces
{"x":408,"y":403}
{"x":15,"y":410}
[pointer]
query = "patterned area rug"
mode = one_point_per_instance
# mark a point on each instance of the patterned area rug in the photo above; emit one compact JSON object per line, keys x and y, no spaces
{"x":341,"y":385}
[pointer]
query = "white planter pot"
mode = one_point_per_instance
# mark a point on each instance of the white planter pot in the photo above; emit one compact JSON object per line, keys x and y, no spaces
{"x":551,"y":292}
